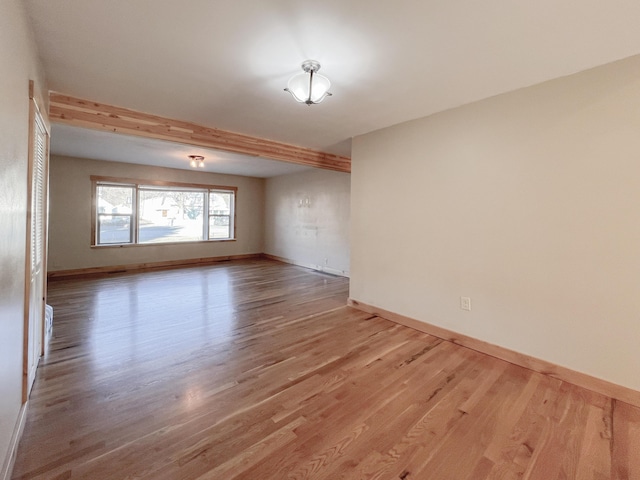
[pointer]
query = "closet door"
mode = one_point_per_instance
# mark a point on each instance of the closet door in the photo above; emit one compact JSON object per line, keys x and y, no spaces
{"x":35,"y":283}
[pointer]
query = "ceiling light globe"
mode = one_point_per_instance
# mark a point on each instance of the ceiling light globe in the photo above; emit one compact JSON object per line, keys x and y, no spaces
{"x":309,"y":87}
{"x":298,"y":87}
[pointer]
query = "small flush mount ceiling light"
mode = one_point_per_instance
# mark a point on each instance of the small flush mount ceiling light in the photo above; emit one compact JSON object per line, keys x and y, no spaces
{"x":309,"y":87}
{"x":196,"y":161}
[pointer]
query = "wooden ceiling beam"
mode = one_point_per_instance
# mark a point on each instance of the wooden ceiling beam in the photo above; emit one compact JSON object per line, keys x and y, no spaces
{"x":77,"y":112}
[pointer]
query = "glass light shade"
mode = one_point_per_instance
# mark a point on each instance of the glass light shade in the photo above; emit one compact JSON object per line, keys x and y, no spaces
{"x":320,"y":88}
{"x":298,"y":87}
{"x":196,"y":161}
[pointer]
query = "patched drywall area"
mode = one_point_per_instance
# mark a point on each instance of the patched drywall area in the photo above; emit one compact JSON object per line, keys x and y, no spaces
{"x":526,"y":204}
{"x":307,"y":219}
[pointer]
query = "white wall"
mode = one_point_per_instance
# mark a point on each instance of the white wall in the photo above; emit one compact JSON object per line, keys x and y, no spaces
{"x":70,"y":215}
{"x":529,"y":203}
{"x":19,"y":62}
{"x":307,"y":219}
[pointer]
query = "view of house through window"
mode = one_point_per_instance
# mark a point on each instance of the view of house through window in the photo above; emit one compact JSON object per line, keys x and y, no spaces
{"x":145,"y":214}
{"x":170,"y":216}
{"x":220,"y":208}
{"x":114,"y":215}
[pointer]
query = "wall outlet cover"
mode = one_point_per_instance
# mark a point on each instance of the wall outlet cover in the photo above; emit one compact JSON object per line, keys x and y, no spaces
{"x":465,"y":303}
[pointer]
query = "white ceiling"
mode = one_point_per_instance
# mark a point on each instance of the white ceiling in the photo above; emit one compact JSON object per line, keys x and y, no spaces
{"x":98,"y":145}
{"x":224,"y":63}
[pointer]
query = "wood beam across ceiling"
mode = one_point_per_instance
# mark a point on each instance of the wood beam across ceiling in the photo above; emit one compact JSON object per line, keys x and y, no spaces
{"x":77,"y":112}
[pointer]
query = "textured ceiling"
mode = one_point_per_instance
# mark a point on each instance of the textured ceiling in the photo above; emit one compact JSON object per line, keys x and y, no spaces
{"x":225,"y":63}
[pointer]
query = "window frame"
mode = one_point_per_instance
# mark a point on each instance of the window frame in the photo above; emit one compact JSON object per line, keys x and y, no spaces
{"x":210,"y":215}
{"x":138,"y":185}
{"x":133,"y":216}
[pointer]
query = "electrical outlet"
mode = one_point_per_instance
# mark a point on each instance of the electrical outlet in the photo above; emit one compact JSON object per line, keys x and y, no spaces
{"x":465,"y":303}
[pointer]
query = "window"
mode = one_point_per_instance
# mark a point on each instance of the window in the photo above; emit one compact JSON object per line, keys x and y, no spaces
{"x":171,"y":215}
{"x":137,"y":212}
{"x":220,"y":214}
{"x":114,"y":214}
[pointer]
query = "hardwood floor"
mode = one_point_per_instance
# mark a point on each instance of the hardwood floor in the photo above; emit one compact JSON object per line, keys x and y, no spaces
{"x":257,"y":370}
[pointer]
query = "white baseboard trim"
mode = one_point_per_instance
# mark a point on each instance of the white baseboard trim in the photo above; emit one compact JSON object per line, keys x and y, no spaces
{"x":9,"y":461}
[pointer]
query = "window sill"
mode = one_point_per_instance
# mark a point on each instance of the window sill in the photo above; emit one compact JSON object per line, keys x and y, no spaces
{"x":159,"y":244}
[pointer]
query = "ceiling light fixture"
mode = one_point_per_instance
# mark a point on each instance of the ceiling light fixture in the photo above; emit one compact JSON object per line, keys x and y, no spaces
{"x":196,"y":161}
{"x":309,"y":87}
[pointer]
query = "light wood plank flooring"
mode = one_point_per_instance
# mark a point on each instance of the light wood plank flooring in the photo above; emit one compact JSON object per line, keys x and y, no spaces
{"x":257,"y":370}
